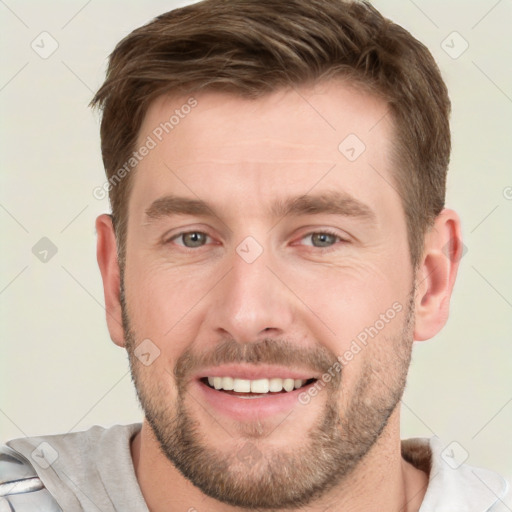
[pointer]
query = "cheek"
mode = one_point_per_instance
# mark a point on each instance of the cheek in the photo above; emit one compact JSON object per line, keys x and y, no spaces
{"x":351,"y":297}
{"x":359,"y":310}
{"x":165,"y":306}
{"x":158,"y":296}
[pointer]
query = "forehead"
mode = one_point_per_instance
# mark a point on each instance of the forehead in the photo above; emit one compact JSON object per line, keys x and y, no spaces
{"x":213,"y":144}
{"x":308,"y":120}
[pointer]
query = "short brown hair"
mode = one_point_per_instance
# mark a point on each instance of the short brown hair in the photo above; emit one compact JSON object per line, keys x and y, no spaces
{"x":253,"y":47}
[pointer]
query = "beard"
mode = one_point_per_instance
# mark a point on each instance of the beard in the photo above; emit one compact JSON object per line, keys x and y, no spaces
{"x":277,"y":477}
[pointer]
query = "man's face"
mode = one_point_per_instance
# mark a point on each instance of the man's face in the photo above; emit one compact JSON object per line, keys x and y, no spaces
{"x":255,"y":286}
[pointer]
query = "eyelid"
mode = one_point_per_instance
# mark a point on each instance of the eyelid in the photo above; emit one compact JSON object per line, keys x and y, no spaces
{"x":312,"y":231}
{"x":326,"y":231}
{"x":182,"y":233}
{"x":171,"y":234}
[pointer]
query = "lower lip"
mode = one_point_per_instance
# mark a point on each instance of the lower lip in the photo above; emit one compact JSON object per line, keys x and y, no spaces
{"x":250,"y":409}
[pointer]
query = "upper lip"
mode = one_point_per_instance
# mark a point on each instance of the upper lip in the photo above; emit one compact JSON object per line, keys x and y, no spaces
{"x":254,"y":372}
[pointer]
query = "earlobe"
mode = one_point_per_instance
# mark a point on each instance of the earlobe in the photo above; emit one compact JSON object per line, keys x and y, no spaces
{"x":106,"y":253}
{"x":436,"y":275}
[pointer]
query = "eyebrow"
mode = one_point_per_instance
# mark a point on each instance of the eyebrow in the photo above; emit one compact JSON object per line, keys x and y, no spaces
{"x":329,"y":202}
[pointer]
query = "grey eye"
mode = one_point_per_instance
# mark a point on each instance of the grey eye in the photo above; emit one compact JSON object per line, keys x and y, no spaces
{"x":323,"y":239}
{"x":193,"y":239}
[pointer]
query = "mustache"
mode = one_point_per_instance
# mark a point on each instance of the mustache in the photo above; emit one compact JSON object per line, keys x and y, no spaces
{"x":267,"y":351}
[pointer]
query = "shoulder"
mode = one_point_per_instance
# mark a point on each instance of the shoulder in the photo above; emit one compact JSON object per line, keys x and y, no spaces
{"x":20,"y":488}
{"x":60,"y":468}
{"x":454,"y":484}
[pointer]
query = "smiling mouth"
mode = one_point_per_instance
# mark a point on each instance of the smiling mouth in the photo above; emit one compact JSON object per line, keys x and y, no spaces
{"x":255,"y":388}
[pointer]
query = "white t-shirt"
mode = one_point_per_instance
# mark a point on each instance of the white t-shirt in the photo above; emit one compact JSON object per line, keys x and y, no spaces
{"x":93,"y":470}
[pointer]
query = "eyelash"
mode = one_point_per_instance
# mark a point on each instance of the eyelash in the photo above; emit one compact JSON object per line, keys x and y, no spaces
{"x":319,"y":249}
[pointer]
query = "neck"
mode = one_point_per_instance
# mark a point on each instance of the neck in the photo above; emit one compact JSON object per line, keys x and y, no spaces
{"x":382,"y":480}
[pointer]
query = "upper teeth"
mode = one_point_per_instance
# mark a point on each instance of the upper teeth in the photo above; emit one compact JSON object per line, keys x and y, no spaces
{"x":254,"y":386}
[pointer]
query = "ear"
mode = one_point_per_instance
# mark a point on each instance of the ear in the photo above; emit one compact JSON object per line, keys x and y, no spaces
{"x":106,"y":253}
{"x":436,"y":275}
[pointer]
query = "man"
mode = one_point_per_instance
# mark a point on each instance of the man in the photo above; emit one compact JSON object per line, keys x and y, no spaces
{"x":278,"y":239}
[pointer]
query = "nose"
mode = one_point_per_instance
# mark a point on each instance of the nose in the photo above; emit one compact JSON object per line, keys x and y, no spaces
{"x":252,"y":301}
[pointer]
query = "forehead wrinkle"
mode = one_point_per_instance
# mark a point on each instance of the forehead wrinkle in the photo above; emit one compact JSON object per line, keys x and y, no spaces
{"x":245,"y":160}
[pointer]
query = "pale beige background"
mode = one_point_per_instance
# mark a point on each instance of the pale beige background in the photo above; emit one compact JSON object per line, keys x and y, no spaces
{"x":59,"y":370}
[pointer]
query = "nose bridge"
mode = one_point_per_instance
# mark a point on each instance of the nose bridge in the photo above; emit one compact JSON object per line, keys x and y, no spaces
{"x":251,"y":300}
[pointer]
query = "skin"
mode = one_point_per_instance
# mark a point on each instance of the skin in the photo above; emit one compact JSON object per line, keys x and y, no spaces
{"x":240,"y":155}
